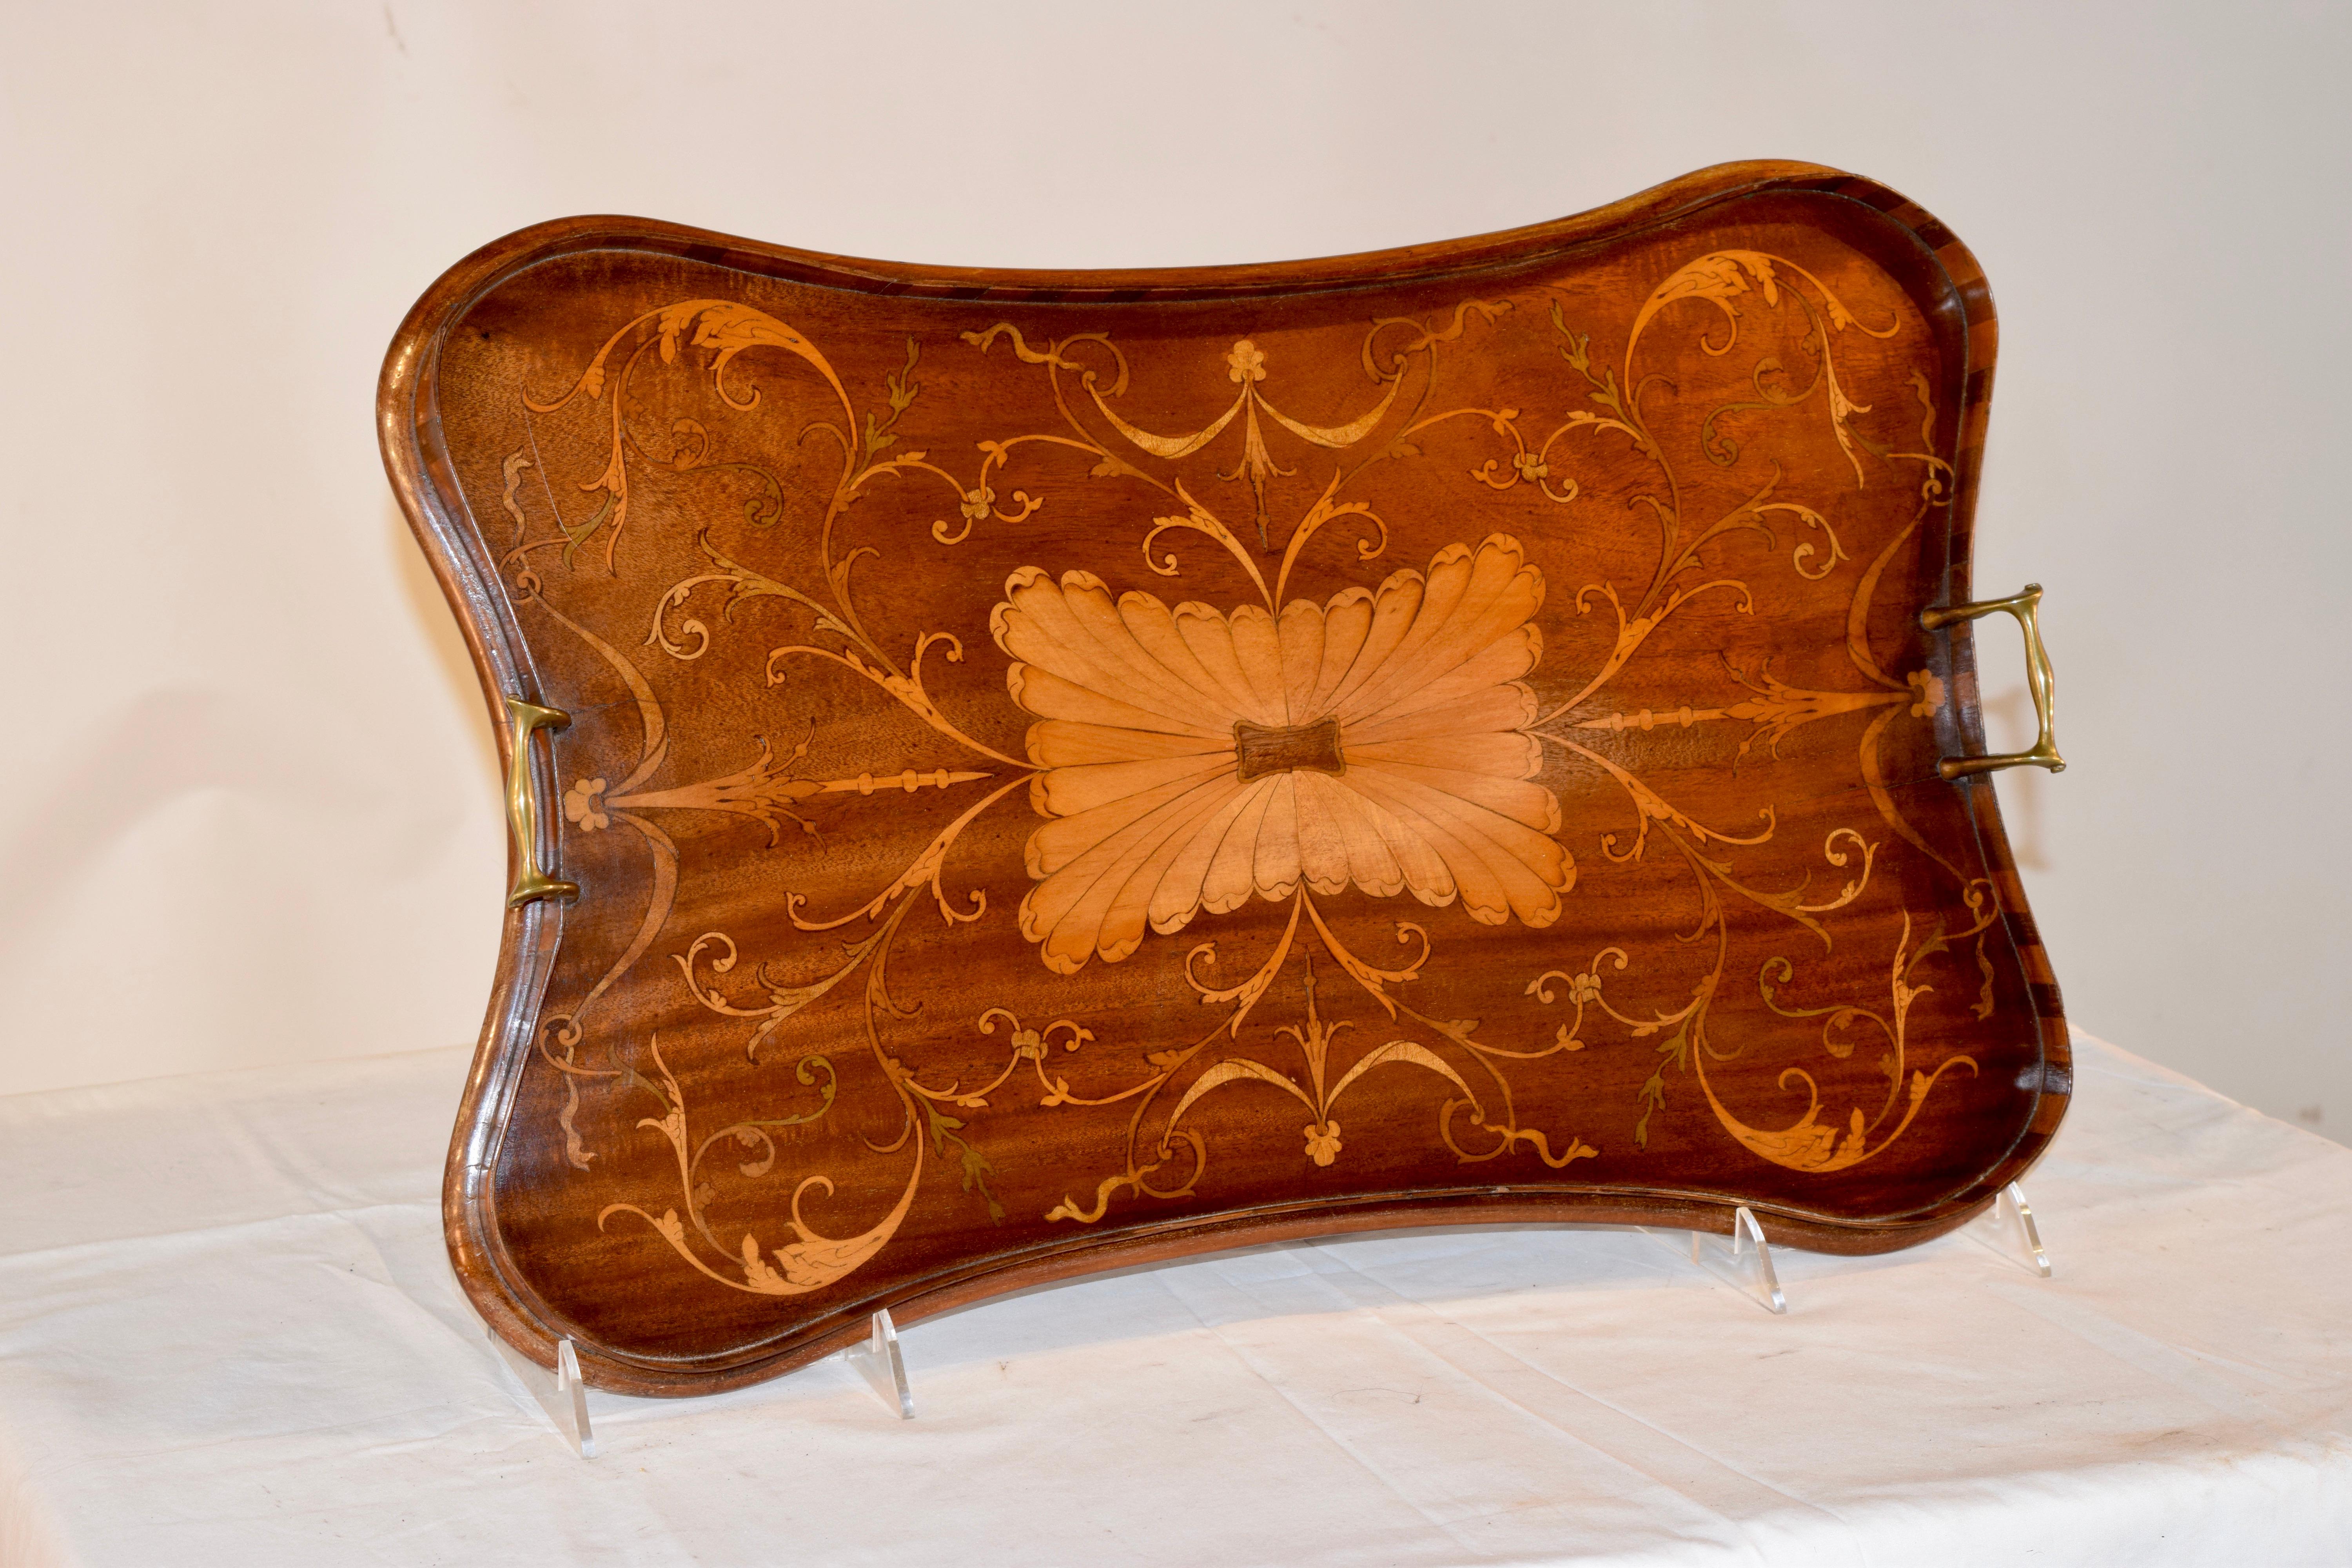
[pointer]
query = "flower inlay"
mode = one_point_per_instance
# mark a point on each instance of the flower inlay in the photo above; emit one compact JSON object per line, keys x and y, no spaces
{"x":1193,"y":757}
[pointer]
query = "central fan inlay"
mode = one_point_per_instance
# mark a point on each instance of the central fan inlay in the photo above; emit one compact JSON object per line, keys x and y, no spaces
{"x":1191,"y":757}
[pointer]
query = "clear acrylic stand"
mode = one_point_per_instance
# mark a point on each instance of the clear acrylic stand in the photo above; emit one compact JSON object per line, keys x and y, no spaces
{"x":561,"y":1394}
{"x":1740,"y":1260}
{"x":2008,"y":1228}
{"x":878,"y":1362}
{"x":1743,"y":1261}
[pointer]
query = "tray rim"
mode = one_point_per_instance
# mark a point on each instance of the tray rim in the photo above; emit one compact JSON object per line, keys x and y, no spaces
{"x":417,"y":467}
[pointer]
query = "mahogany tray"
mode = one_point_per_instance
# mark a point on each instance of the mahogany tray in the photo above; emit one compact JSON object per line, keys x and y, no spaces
{"x":1036,"y":771}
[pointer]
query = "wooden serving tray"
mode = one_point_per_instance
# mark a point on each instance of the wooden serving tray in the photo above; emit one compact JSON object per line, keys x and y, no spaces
{"x":1037,"y":772}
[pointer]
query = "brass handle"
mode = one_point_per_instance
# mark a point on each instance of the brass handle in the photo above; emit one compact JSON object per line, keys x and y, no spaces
{"x":531,"y":883}
{"x":2040,"y":680}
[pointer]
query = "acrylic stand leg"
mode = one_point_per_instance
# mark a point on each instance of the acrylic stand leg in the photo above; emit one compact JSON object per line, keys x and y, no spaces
{"x":878,"y":1362}
{"x":1741,"y":1260}
{"x":2008,"y":1228}
{"x":561,"y":1394}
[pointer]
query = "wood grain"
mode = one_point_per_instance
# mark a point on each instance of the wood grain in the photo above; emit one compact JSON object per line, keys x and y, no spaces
{"x":1068,"y":769}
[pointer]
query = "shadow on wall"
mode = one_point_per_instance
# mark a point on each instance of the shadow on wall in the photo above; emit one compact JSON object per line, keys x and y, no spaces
{"x":420,"y":590}
{"x":166,"y":744}
{"x":2009,"y":726}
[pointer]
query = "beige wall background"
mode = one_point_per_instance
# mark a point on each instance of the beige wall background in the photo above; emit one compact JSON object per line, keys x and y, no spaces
{"x":247,"y":810}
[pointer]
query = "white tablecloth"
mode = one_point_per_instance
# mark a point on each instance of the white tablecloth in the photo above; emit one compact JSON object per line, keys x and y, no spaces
{"x":228,"y":1335}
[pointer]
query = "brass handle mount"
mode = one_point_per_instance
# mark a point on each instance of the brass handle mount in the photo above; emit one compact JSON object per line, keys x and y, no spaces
{"x":531,"y":884}
{"x":2040,"y":680}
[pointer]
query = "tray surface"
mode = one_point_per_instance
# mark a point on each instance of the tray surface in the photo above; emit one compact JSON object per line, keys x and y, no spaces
{"x":1066,"y":769}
